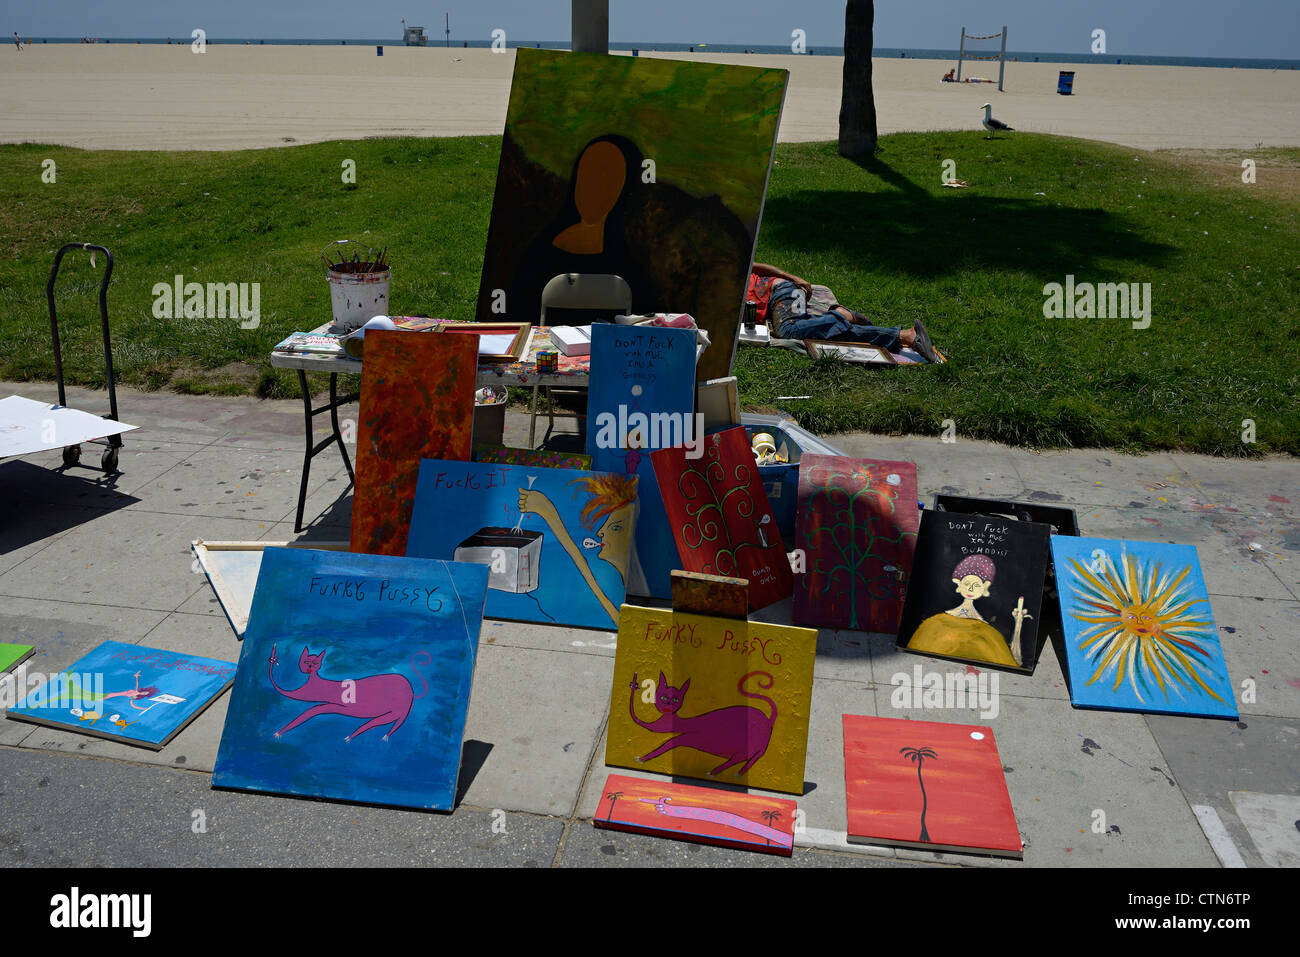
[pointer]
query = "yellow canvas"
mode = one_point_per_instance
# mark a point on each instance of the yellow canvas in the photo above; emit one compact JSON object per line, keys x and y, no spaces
{"x":719,"y":699}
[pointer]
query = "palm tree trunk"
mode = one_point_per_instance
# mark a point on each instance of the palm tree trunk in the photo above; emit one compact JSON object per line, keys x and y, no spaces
{"x":925,"y":801}
{"x":590,"y":26}
{"x":857,"y":103}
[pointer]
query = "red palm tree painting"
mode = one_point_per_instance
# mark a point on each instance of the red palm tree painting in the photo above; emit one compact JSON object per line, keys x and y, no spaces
{"x":927,"y":784}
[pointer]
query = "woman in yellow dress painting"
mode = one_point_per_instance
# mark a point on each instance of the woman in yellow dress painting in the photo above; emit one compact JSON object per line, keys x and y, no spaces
{"x":613,"y":499}
{"x":962,"y":632}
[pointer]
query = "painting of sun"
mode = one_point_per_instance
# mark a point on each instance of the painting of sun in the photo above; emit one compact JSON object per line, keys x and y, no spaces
{"x":1139,"y":632}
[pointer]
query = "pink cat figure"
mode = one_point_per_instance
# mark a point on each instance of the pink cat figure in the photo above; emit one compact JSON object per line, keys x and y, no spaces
{"x":381,"y":698}
{"x":738,"y":733}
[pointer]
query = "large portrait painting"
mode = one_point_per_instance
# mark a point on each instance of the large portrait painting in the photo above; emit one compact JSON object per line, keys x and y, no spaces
{"x":652,"y":170}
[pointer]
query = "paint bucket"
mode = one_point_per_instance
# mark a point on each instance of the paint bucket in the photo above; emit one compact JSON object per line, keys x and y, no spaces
{"x":358,"y":289}
{"x":489,"y":417}
{"x":1065,"y":83}
{"x":357,"y":296}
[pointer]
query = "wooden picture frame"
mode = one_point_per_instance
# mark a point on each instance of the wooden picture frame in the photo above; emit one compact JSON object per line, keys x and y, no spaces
{"x":519,"y":330}
{"x":232,"y":567}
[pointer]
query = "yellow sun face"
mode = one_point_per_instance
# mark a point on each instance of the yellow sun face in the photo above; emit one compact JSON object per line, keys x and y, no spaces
{"x":1142,"y":621}
{"x":1143,"y":627}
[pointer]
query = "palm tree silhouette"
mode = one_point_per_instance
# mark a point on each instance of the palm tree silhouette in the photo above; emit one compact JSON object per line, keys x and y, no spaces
{"x":919,"y":755}
{"x":771,"y":816}
{"x":613,"y":797}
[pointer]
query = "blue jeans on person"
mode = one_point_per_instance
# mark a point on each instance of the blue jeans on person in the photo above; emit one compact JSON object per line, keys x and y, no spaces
{"x":827,"y":327}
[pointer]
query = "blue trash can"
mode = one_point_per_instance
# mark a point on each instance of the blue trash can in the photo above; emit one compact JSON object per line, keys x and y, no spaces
{"x":379,"y":51}
{"x":1065,"y":84}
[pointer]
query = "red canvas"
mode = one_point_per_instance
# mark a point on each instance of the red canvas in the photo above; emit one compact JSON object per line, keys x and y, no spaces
{"x":856,"y":524}
{"x":703,"y":815}
{"x":417,"y":402}
{"x":720,"y":516}
{"x":927,"y":785}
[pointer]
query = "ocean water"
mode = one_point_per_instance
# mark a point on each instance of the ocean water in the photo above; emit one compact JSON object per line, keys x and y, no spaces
{"x":882,"y":52}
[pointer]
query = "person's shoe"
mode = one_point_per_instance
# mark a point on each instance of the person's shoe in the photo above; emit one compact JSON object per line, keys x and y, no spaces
{"x":922,"y":343}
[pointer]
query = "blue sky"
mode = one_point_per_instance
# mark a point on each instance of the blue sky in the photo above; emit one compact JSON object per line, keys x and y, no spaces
{"x":1226,"y":28}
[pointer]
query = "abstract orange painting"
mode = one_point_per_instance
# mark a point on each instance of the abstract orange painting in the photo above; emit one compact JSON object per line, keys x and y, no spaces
{"x":927,"y":785}
{"x":417,"y":402}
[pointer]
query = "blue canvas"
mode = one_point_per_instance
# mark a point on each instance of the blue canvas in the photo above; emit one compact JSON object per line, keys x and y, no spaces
{"x":641,"y":399}
{"x":1139,"y":633}
{"x":354,"y":679}
{"x":556,"y":541}
{"x":127,"y":693}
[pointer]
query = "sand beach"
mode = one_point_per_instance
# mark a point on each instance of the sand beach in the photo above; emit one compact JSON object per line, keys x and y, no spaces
{"x":129,"y":96}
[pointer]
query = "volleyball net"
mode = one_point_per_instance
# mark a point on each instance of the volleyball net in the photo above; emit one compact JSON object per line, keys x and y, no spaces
{"x":991,"y":47}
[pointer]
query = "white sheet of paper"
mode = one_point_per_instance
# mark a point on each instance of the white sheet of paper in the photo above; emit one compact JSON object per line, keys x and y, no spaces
{"x":494,"y":345}
{"x":27,"y":426}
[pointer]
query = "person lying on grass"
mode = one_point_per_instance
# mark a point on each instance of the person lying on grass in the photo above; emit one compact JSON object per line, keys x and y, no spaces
{"x":783,"y":300}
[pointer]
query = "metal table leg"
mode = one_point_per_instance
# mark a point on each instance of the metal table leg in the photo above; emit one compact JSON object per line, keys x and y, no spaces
{"x":314,"y":448}
{"x":532,"y":418}
{"x":334,"y":418}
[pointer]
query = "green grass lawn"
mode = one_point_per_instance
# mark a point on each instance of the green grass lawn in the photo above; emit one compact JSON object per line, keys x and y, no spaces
{"x":1222,"y":257}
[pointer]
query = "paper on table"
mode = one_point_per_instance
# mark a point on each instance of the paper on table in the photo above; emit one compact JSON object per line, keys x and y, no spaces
{"x":495,"y":345}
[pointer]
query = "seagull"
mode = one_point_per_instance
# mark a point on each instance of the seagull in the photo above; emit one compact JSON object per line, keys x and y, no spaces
{"x":991,"y":124}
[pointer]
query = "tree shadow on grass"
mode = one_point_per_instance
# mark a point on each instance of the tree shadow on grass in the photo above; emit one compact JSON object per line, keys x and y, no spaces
{"x":912,"y":231}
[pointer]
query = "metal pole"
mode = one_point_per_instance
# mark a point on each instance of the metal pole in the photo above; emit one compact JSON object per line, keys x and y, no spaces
{"x":590,"y":26}
{"x":448,"y":23}
{"x":961,"y":52}
{"x":1002,"y":63}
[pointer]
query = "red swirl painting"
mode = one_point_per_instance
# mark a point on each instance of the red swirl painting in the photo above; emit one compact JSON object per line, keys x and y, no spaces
{"x":720,"y":516}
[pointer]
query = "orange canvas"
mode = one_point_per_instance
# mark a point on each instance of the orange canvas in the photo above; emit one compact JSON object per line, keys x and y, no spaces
{"x":927,"y":785}
{"x":752,"y":822}
{"x":417,"y":402}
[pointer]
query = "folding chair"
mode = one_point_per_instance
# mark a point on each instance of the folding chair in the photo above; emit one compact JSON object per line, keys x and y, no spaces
{"x":597,"y":292}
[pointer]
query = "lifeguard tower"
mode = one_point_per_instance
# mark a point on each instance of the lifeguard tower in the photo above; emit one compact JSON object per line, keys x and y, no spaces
{"x":414,"y":36}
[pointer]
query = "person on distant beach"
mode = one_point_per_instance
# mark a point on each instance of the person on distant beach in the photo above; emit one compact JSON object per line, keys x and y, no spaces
{"x":785,"y":305}
{"x":18,"y":43}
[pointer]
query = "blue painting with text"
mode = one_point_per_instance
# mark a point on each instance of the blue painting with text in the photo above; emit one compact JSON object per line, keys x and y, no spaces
{"x":354,"y":678}
{"x":642,"y":399}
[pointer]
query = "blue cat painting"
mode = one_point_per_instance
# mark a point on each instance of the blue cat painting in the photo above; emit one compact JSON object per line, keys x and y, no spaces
{"x":370,"y":704}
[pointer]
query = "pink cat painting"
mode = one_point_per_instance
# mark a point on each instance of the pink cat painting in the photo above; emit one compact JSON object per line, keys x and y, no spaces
{"x":384,"y":699}
{"x":740,"y":733}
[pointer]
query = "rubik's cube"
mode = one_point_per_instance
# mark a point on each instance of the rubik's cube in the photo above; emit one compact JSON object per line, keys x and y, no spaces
{"x":548,"y":362}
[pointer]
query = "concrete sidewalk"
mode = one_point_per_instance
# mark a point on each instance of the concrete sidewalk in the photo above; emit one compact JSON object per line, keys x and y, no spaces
{"x":84,"y":560}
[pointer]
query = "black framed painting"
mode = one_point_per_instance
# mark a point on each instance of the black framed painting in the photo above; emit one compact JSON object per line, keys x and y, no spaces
{"x":976,"y":590}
